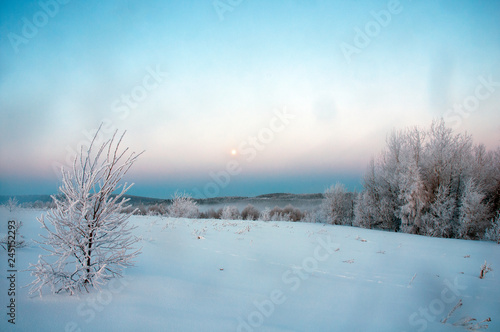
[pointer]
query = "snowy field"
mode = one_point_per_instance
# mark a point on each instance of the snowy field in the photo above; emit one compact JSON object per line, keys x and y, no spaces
{"x":216,"y":275}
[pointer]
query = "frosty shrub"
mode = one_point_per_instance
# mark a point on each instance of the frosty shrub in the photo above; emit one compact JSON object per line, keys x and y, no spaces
{"x":250,"y":212}
{"x":156,"y":210}
{"x":141,"y":210}
{"x":212,"y":214}
{"x":288,"y":213}
{"x":265,"y":215}
{"x":311,"y":216}
{"x":88,"y":239}
{"x":485,"y":268}
{"x":291,"y":213}
{"x":19,"y":242}
{"x":12,"y":204}
{"x":230,"y":213}
{"x":277,"y":214}
{"x":183,"y":206}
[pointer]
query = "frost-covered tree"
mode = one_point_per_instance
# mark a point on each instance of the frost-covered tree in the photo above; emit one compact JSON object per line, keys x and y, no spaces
{"x":438,"y":221}
{"x":230,"y":212}
{"x":418,"y":184}
{"x":376,"y":206}
{"x":89,"y":239}
{"x":412,"y":197}
{"x":485,"y":167}
{"x":362,"y":213}
{"x":495,"y":180}
{"x":336,"y":206}
{"x":183,"y":206}
{"x":12,"y":204}
{"x":473,"y":211}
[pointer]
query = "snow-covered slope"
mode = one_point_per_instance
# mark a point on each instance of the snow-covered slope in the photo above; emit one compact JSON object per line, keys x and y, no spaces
{"x":216,"y":275}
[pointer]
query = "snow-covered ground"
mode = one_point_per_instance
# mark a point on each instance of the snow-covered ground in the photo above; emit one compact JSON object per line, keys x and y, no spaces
{"x":216,"y":275}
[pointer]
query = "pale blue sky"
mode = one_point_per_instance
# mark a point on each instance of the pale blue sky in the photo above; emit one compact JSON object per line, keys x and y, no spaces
{"x":220,"y":81}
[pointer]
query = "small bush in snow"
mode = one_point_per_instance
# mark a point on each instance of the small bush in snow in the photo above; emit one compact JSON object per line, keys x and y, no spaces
{"x":250,"y":212}
{"x":485,"y":268}
{"x":141,"y":210}
{"x":311,"y":216}
{"x":19,"y":242}
{"x":12,"y":204}
{"x":230,"y":213}
{"x":183,"y":206}
{"x":276,"y":214}
{"x":265,"y":215}
{"x":288,"y":213}
{"x":292,"y":213}
{"x":156,"y":210}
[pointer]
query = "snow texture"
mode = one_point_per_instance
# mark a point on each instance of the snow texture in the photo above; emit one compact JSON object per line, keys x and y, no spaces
{"x":238,"y":275}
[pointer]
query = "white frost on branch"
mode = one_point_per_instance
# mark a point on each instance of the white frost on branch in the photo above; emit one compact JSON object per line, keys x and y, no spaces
{"x":88,"y":238}
{"x":183,"y":206}
{"x":12,"y":204}
{"x":336,"y":208}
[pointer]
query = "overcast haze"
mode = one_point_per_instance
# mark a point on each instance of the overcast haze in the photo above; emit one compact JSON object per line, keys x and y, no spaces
{"x":191,"y":81}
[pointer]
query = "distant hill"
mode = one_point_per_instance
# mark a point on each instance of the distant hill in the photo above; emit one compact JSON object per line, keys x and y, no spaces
{"x":291,"y":196}
{"x":137,"y":200}
{"x":46,"y":198}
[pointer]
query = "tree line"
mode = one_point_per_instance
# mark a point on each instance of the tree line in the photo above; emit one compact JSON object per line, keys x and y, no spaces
{"x":425,"y":181}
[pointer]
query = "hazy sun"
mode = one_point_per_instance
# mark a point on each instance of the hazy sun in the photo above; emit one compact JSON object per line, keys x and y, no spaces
{"x":233,"y":152}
